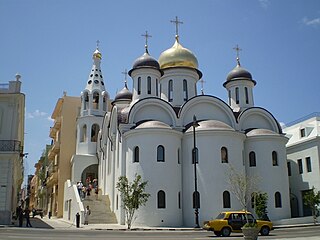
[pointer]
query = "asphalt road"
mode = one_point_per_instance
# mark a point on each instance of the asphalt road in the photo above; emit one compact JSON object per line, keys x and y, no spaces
{"x":23,"y":233}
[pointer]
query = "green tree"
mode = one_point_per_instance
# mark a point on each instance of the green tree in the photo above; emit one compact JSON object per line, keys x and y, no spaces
{"x":312,"y":200}
{"x":133,"y":196}
{"x":260,"y":205}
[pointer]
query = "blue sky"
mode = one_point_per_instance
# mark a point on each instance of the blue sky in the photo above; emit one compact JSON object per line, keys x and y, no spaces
{"x":50,"y":43}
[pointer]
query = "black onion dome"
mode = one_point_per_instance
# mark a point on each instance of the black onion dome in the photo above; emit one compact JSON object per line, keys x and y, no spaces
{"x":239,"y":72}
{"x":124,"y":94}
{"x":145,"y":61}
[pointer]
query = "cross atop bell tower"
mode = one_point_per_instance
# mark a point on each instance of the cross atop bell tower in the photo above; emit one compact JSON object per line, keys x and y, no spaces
{"x":146,"y":35}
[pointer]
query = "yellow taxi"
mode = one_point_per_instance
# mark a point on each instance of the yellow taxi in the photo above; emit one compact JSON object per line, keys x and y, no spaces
{"x":233,"y":221}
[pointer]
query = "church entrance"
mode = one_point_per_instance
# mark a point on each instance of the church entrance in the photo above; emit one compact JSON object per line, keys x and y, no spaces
{"x":89,"y":174}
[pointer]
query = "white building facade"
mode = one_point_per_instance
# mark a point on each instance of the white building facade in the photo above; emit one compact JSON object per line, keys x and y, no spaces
{"x":303,"y":156}
{"x":12,"y":107}
{"x":150,"y":132}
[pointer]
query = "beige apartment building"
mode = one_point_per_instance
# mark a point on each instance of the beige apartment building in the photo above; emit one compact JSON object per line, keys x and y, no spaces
{"x":63,"y":134}
{"x":12,"y":107}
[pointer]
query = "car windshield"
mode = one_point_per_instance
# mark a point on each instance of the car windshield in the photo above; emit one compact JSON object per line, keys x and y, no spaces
{"x":221,"y":216}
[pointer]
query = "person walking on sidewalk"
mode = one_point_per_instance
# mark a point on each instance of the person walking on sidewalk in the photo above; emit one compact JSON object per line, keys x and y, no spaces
{"x":27,"y":216}
{"x":87,"y":212}
{"x":20,"y":215}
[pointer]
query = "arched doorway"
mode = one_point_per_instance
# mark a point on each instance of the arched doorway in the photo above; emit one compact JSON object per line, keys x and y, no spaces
{"x":294,"y":205}
{"x":89,"y":174}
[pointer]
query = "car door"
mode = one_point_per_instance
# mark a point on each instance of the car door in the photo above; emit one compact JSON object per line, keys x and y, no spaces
{"x":235,"y":221}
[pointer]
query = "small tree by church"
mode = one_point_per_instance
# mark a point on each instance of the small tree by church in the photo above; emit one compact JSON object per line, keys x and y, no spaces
{"x":133,"y":196}
{"x":242,"y":185}
{"x":312,"y":200}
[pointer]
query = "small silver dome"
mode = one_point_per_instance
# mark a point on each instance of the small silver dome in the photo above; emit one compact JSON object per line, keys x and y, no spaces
{"x":153,"y":124}
{"x":261,"y":131}
{"x":124,"y":94}
{"x":212,"y":125}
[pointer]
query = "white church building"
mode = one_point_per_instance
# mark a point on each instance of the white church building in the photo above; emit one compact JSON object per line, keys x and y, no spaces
{"x":149,"y":132}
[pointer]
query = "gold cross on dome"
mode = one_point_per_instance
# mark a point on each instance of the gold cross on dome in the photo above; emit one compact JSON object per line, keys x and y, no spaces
{"x":177,"y":22}
{"x":202,"y":82}
{"x":237,"y":49}
{"x":125,"y":73}
{"x":146,"y":35}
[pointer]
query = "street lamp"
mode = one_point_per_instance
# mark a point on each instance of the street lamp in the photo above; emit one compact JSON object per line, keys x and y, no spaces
{"x":196,"y":196}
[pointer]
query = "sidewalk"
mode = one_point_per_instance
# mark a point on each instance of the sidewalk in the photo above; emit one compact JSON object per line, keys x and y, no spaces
{"x":58,"y":223}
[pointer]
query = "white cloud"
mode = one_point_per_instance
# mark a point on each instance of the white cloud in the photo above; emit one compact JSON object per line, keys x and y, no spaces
{"x":50,"y":119}
{"x":311,"y":22}
{"x":36,"y":114}
{"x":264,"y":3}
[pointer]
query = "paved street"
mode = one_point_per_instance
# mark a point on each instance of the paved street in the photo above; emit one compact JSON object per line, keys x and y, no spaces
{"x":56,"y":229}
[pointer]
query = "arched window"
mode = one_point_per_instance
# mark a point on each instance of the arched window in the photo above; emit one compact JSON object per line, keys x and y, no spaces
{"x":161,"y":199}
{"x":253,"y":199}
{"x":95,"y":100}
{"x":229,"y":96}
{"x":226,"y":199}
{"x":252,"y":159}
{"x":237,"y":95}
{"x":104,"y":103}
{"x":196,"y":199}
{"x":86,"y":101}
{"x":277,"y":200}
{"x":185,"y":90}
{"x":224,"y":155}
{"x":170,"y":90}
{"x":139,"y":85}
{"x":160,"y":153}
{"x":149,"y":84}
{"x":179,"y":200}
{"x":83,"y":134}
{"x":178,"y":153}
{"x":274,"y":158}
{"x":246,"y":94}
{"x":136,"y":154}
{"x":94,"y":132}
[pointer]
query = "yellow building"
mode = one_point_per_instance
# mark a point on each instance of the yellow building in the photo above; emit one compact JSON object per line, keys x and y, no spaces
{"x":63,"y":134}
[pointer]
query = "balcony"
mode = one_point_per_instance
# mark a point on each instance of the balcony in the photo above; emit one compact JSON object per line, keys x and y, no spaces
{"x":54,"y":150}
{"x":10,"y":146}
{"x":55,"y":128}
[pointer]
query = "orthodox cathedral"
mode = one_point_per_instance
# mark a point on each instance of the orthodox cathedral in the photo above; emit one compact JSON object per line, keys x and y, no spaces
{"x":169,"y":134}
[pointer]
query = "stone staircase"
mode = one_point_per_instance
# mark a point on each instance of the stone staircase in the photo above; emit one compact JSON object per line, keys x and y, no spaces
{"x":100,"y":209}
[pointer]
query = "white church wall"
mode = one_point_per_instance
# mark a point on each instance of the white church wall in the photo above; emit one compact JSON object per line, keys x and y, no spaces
{"x":270,"y":179}
{"x":211,"y":172}
{"x":205,"y":107}
{"x":257,"y":118}
{"x":153,"y":109}
{"x":164,"y":176}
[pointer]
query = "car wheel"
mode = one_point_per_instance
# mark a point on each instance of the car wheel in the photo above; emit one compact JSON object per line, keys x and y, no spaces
{"x":217,"y":233}
{"x":264,"y":231}
{"x":225,"y":232}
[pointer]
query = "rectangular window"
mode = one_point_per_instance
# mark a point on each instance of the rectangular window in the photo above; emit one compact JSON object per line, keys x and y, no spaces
{"x":308,"y":163}
{"x":300,"y":166}
{"x":289,"y":168}
{"x":302,"y":132}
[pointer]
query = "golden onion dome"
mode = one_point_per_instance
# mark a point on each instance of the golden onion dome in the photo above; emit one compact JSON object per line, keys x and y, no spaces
{"x":178,"y":56}
{"x":97,"y":54}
